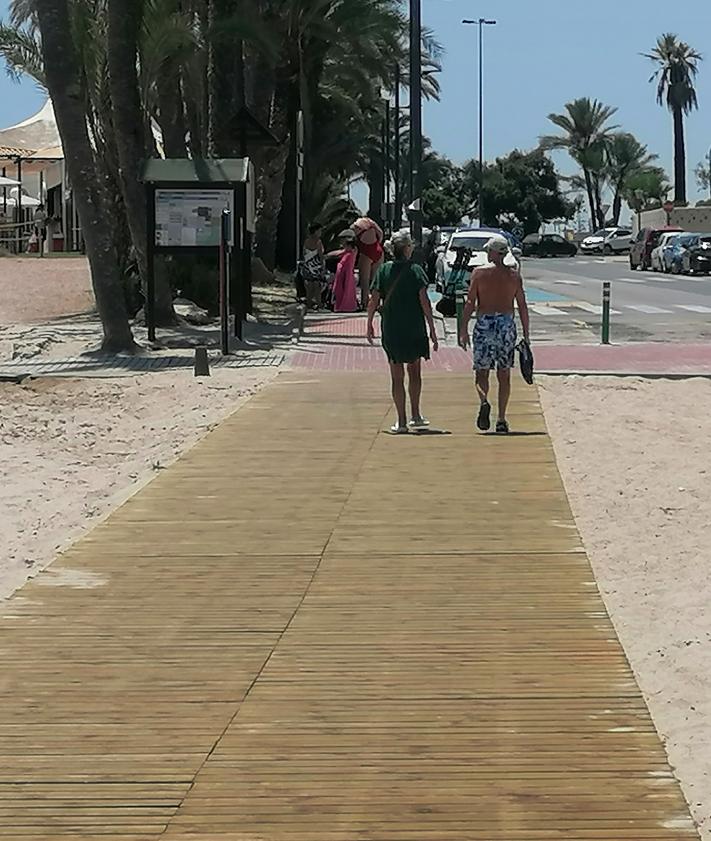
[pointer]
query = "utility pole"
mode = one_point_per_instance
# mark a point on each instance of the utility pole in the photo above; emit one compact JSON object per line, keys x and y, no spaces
{"x":388,"y":196}
{"x":397,"y":215}
{"x":481,"y":23}
{"x":416,"y":118}
{"x":299,"y":178}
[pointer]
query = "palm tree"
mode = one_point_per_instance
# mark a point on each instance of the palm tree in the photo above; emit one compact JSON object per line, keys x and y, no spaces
{"x":646,"y":189}
{"x":677,"y":66}
{"x":585,"y":133}
{"x":625,"y":155}
{"x":63,"y":70}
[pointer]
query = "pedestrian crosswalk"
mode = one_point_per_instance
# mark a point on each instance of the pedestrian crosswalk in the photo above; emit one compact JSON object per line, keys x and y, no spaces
{"x":577,"y":308}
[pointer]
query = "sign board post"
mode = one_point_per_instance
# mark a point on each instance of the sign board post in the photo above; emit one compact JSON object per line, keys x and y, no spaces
{"x":299,"y":179}
{"x":196,"y":206}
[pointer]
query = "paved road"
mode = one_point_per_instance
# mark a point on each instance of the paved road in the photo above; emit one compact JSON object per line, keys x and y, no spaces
{"x":566,"y":295}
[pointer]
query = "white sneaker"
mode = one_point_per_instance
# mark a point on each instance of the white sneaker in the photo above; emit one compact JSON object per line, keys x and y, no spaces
{"x":396,"y":429}
{"x":419,"y":423}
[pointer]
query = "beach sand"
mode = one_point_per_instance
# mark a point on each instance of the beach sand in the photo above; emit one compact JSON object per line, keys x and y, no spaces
{"x":71,"y":450}
{"x":635,"y":458}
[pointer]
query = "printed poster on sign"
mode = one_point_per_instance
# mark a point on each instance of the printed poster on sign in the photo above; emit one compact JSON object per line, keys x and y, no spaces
{"x":191,"y":218}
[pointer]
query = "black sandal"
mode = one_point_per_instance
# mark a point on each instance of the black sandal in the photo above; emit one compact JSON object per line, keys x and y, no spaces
{"x":502,"y":427}
{"x":483,"y":420}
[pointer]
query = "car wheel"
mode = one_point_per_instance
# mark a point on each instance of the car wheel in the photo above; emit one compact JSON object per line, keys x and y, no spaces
{"x":607,"y":250}
{"x":676,"y":268}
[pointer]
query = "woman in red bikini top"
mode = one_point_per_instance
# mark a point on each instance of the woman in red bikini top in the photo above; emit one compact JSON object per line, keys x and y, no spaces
{"x":369,"y":237}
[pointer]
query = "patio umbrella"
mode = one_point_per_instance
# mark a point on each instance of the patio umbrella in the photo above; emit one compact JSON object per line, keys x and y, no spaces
{"x":8,"y":182}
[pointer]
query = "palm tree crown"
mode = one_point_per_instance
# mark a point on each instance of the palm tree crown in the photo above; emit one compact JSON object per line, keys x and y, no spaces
{"x":677,"y":66}
{"x":585,"y":135}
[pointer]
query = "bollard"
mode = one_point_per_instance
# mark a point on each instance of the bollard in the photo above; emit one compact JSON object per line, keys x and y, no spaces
{"x":460,"y":312}
{"x":202,"y":363}
{"x":606,"y":312}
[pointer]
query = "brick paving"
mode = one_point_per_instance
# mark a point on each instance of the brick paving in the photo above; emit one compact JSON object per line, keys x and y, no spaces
{"x":338,"y":344}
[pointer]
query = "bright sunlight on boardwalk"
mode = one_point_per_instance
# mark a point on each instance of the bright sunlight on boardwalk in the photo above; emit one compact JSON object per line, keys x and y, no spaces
{"x":307,"y":630}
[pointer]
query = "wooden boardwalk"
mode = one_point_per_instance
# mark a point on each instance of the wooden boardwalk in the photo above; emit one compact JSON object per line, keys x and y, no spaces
{"x":307,"y":630}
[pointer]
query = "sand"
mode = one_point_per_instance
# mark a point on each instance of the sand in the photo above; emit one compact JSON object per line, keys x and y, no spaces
{"x":71,"y":450}
{"x":636,"y":463}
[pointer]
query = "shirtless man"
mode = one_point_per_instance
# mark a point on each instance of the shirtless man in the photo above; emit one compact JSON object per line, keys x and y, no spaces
{"x":492,"y":292}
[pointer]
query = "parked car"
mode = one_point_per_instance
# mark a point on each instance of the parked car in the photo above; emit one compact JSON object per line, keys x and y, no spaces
{"x":679,"y":257}
{"x":513,"y":240}
{"x":548,"y":245}
{"x":659,"y":259}
{"x":697,"y":259}
{"x":675,"y":249}
{"x":643,"y":245}
{"x":473,"y":240}
{"x":607,"y":241}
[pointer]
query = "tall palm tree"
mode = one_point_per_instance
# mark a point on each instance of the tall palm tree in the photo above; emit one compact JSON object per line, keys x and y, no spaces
{"x":585,"y":133}
{"x":625,"y":156}
{"x":63,"y":69}
{"x":677,"y":66}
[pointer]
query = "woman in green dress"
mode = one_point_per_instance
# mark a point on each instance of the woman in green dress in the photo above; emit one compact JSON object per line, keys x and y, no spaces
{"x":399,"y":291}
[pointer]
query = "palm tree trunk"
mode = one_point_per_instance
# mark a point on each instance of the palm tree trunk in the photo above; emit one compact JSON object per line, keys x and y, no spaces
{"x":171,"y":116}
{"x":124,"y":21}
{"x":65,"y":88}
{"x":591,"y":198}
{"x":679,"y":159}
{"x":616,"y":207}
{"x":600,"y":213}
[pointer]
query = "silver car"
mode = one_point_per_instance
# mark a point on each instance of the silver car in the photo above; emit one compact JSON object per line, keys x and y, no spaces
{"x":607,"y":241}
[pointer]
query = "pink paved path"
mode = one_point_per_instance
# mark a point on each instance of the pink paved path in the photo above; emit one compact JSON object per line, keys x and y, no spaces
{"x":338,"y":344}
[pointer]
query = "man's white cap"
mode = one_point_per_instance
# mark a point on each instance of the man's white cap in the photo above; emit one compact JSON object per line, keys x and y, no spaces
{"x":498,"y":244}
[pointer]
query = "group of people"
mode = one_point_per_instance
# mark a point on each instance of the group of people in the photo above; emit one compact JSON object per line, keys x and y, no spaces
{"x":355,"y":261}
{"x":398,"y":291}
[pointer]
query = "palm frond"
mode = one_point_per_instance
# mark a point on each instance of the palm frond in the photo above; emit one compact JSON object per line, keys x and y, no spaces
{"x":22,"y":52}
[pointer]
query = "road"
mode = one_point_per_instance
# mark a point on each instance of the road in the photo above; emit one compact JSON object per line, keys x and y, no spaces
{"x":565,"y":297}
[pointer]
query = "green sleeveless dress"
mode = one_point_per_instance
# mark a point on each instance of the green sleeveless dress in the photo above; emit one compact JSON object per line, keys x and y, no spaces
{"x":403,"y":321}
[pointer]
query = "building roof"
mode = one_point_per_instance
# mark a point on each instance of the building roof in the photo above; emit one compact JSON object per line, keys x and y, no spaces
{"x":10,"y":152}
{"x":37,"y":132}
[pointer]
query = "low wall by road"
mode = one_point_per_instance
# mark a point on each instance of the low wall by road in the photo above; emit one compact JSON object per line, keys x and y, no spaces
{"x":686,"y":218}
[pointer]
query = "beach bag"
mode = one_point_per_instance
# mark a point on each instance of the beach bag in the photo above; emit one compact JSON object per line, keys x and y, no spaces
{"x":447,"y":306}
{"x":525,"y":360}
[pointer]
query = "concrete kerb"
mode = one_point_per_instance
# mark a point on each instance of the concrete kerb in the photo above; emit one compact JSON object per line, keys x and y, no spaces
{"x":644,"y":375}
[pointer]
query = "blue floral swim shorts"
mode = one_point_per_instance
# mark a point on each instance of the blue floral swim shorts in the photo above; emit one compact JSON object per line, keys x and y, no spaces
{"x":494,"y":341}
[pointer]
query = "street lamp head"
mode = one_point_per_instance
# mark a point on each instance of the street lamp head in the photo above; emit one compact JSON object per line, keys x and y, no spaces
{"x":480,"y":22}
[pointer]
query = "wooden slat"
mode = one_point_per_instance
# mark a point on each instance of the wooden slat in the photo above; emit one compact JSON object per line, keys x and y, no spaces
{"x":307,"y":630}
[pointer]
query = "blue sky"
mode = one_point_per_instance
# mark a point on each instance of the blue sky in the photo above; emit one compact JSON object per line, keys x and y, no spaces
{"x":539,"y":56}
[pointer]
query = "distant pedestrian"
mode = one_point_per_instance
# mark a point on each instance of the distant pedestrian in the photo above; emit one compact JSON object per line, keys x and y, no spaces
{"x":492,"y":293}
{"x":399,"y":291}
{"x":39,"y":221}
{"x":312,"y":266}
{"x":344,"y":294}
{"x":369,"y":236}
